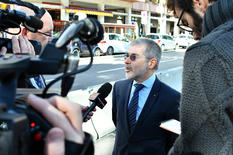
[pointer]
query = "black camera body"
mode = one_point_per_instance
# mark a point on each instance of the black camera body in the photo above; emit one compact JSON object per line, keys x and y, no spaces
{"x":5,"y":42}
{"x":22,"y":129}
{"x":14,"y":134}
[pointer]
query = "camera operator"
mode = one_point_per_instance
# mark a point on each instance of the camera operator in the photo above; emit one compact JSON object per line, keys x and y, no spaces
{"x":43,"y":35}
{"x":66,"y":119}
{"x":22,"y":45}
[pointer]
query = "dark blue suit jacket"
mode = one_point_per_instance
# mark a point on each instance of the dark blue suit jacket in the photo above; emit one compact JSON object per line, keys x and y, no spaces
{"x":147,"y":138}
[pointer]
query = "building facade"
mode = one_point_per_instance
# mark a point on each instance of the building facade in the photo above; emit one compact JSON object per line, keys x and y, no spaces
{"x":129,"y":17}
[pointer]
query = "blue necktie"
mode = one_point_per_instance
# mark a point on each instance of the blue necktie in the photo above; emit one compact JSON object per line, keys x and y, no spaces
{"x":133,"y":106}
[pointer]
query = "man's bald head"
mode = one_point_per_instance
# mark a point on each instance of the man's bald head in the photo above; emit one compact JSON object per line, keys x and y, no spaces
{"x":29,"y":12}
{"x":47,"y":26}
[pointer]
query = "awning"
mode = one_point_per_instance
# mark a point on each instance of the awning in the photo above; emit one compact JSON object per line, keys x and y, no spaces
{"x":3,"y":6}
{"x":90,"y":12}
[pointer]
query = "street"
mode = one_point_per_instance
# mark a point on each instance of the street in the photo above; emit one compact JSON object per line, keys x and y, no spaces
{"x":111,"y":68}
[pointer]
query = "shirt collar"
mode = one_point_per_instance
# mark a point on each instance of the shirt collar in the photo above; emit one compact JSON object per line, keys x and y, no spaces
{"x":149,"y":82}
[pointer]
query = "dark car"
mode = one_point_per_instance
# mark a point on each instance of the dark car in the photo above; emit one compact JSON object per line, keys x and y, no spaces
{"x":82,"y":48}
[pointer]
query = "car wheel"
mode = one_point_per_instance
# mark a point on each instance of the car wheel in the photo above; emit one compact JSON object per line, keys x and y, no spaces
{"x":110,"y":51}
{"x":97,"y":52}
{"x":162,"y":48}
{"x":77,"y":50}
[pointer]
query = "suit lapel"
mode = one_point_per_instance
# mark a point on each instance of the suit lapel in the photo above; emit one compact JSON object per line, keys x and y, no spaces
{"x":149,"y":102}
{"x":125,"y":105}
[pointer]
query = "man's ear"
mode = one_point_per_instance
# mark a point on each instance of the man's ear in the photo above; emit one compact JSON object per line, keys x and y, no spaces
{"x":152,"y":63}
{"x":24,"y":32}
{"x":200,"y":6}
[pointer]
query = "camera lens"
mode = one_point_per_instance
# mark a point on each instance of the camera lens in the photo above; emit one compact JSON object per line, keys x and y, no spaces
{"x":5,"y":42}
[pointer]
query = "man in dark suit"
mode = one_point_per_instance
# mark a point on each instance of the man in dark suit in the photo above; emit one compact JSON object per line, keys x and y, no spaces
{"x":136,"y":113}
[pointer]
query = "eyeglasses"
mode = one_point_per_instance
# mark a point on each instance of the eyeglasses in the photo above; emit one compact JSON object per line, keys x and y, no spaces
{"x":182,"y":25}
{"x":132,"y":57}
{"x":46,"y":34}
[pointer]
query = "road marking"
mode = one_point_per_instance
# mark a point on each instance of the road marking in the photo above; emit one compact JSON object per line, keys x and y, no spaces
{"x":110,"y":70}
{"x":94,"y":87}
{"x":120,"y":68}
{"x":174,"y":59}
{"x":170,"y":70}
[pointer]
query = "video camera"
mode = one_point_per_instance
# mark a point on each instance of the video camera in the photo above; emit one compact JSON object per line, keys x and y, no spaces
{"x":13,"y":19}
{"x":22,"y":130}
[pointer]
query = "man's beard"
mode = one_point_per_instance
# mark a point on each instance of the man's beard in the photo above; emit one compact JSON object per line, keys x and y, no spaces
{"x":137,"y":74}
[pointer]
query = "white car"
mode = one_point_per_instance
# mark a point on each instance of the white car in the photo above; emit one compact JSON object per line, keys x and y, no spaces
{"x":163,"y":40}
{"x":114,"y":43}
{"x":185,"y":40}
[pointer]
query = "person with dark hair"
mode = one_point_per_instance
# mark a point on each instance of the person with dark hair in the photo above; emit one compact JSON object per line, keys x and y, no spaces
{"x":141,"y":102}
{"x":206,"y":108}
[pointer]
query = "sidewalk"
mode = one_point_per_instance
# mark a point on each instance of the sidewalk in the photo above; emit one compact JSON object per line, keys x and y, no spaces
{"x":104,"y":145}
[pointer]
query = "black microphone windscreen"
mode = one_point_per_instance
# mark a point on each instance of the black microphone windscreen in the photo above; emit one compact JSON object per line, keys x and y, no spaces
{"x":34,"y":22}
{"x":104,"y":90}
{"x":69,"y":33}
{"x":100,"y":32}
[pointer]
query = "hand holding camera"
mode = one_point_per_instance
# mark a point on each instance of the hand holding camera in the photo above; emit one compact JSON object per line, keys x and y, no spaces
{"x":65,"y":116}
{"x":20,"y":45}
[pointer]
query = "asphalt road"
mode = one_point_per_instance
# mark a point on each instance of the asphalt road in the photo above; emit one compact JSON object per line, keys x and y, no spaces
{"x":111,"y":68}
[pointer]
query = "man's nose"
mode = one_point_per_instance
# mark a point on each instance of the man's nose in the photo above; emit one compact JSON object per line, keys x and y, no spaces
{"x":127,"y":60}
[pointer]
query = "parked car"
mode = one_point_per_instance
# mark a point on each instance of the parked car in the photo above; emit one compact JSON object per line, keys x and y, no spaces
{"x":163,"y":40}
{"x":83,"y":50}
{"x":184,"y":40}
{"x":114,"y":43}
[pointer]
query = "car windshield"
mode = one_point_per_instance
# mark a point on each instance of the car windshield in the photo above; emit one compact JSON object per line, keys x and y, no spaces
{"x":152,"y":36}
{"x":114,"y":37}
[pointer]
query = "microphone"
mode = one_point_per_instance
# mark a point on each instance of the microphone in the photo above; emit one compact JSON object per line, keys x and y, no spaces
{"x":88,"y":30}
{"x":30,"y":22}
{"x":73,"y":62}
{"x":98,"y":99}
{"x":33,"y":23}
{"x":67,"y":82}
